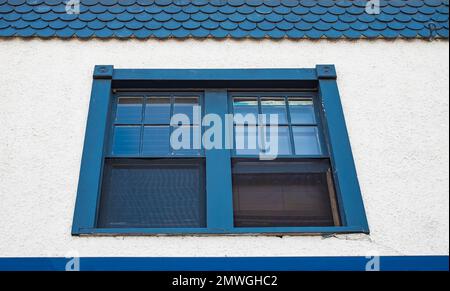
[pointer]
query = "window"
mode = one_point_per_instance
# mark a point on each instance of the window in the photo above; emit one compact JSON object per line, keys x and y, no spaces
{"x":145,"y":183}
{"x":146,"y":168}
{"x":296,"y":189}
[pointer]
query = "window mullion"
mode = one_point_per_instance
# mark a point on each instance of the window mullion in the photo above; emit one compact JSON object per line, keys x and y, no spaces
{"x":141,"y":139}
{"x":319,"y":125}
{"x":218,"y":170}
{"x":291,"y":133}
{"x":260,"y":134}
{"x":172,"y":104}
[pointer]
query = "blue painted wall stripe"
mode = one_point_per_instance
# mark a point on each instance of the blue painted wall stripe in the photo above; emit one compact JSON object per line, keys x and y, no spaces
{"x":394,"y":263}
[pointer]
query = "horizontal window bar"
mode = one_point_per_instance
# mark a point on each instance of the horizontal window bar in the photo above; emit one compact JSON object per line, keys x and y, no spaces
{"x":155,"y":156}
{"x":215,"y":74}
{"x":284,"y":156}
{"x":233,"y":231}
{"x":243,"y":166}
{"x":298,"y":91}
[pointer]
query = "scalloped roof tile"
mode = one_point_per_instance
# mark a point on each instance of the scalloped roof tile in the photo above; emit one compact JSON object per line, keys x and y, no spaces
{"x":238,"y":19}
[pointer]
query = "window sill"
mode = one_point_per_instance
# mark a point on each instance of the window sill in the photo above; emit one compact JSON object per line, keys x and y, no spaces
{"x":273,"y":231}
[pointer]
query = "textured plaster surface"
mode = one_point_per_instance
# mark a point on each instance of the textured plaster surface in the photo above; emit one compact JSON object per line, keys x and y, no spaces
{"x":396,"y":101}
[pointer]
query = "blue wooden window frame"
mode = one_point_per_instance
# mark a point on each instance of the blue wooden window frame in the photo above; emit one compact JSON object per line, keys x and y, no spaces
{"x":216,"y":85}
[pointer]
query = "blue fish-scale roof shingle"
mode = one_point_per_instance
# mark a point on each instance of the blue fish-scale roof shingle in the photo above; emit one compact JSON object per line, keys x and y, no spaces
{"x":238,"y":19}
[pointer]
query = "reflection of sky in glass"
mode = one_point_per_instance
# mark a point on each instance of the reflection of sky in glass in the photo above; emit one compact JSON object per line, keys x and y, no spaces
{"x":129,"y":110}
{"x":284,"y":141}
{"x":246,"y":106}
{"x":157,"y":110}
{"x":184,"y":105}
{"x":275,"y":106}
{"x":190,"y":132}
{"x":306,"y":140}
{"x":156,"y":140}
{"x":302,"y":111}
{"x":246,"y":140}
{"x":126,"y":140}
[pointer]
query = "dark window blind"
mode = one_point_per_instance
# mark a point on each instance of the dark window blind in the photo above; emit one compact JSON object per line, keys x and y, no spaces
{"x":153,"y":193}
{"x":283,"y":194}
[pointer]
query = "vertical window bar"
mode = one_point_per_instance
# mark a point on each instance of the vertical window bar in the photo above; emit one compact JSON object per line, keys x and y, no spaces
{"x":291,"y":133}
{"x":333,"y":199}
{"x":172,"y":104}
{"x":319,"y":124}
{"x":260,"y":136}
{"x":112,"y":119}
{"x":141,"y":137}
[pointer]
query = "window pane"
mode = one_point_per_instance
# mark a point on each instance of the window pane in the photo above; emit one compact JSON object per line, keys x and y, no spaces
{"x":276,"y":106}
{"x":126,"y":140}
{"x":157,"y":110}
{"x":280,"y":143}
{"x":306,"y":140}
{"x":129,"y":110}
{"x":153,"y":194}
{"x":156,"y":140}
{"x":246,"y":140}
{"x":246,"y":106}
{"x":187,"y":140}
{"x":302,"y":111}
{"x":282,"y":194}
{"x":185,"y":105}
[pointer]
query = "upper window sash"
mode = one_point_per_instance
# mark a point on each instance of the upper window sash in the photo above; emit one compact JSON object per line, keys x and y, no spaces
{"x":151,"y":131}
{"x":290,"y":124}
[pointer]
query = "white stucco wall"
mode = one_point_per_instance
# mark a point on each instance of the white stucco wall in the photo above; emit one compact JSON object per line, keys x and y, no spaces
{"x":396,"y":101}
